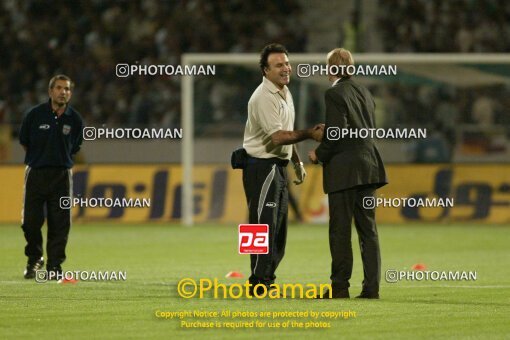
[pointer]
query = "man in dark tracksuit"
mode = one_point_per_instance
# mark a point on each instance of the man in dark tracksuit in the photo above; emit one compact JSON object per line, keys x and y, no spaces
{"x":352,"y":170}
{"x":51,"y":134}
{"x":268,"y":139}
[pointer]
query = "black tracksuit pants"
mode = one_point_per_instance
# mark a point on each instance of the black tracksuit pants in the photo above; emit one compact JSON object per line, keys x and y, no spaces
{"x":46,"y":186}
{"x":265,"y":186}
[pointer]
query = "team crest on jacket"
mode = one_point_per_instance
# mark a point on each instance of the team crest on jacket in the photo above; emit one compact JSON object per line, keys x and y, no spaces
{"x":66,"y":129}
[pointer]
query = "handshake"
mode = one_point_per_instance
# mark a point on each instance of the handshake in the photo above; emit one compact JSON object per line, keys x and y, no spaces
{"x":317,"y":132}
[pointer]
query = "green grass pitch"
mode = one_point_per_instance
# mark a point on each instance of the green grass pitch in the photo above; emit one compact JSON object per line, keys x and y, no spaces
{"x":157,"y":256}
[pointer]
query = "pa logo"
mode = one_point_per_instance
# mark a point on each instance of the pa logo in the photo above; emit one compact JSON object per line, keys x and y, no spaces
{"x":253,"y":239}
{"x":271,"y":204}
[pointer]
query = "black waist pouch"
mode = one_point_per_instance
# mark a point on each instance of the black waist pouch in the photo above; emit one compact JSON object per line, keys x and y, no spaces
{"x":239,"y":159}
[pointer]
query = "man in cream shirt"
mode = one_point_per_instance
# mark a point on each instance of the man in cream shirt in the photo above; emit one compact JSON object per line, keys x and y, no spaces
{"x":268,"y":139}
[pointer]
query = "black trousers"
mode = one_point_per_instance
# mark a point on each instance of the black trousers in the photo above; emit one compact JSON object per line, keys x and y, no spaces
{"x":343,"y":206}
{"x":265,"y":186}
{"x":46,"y":186}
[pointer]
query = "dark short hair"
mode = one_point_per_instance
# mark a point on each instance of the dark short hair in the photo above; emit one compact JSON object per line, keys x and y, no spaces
{"x":54,"y":79}
{"x":266,"y":51}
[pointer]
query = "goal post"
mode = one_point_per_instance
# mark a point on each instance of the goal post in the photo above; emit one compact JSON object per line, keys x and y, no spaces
{"x":235,"y":59}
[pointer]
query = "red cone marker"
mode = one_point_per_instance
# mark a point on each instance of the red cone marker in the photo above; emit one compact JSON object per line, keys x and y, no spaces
{"x":67,"y":281}
{"x":419,"y":266}
{"x":234,"y":275}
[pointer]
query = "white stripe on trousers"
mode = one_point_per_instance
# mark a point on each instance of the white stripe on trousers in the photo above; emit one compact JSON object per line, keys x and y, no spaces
{"x":262,"y":199}
{"x":70,"y":178}
{"x":27,"y":171}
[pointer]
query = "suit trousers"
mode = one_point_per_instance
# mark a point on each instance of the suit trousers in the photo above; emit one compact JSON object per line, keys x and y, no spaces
{"x":343,"y":206}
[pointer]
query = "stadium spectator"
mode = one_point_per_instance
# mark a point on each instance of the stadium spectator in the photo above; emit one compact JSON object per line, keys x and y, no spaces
{"x":91,"y":37}
{"x":429,"y":26}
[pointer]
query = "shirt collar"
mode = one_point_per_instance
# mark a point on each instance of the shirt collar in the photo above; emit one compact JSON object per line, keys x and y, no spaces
{"x":66,"y":111}
{"x":272,"y":87}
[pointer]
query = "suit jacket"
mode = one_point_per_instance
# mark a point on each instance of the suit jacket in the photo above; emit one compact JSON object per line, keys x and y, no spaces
{"x":350,"y":162}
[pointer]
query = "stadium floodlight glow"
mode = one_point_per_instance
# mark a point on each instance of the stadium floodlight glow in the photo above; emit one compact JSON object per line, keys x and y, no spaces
{"x":187,"y":90}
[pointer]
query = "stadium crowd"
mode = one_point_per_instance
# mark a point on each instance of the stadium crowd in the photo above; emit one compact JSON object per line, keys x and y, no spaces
{"x":86,"y":39}
{"x":445,"y":26}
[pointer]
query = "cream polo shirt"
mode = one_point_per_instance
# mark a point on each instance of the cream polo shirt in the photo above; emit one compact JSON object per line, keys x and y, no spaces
{"x":268,"y":112}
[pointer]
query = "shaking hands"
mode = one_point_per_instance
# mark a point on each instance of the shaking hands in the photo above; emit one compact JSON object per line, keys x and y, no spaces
{"x":317,"y":132}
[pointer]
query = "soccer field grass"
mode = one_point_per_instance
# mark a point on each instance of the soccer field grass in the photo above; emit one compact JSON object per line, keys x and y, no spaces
{"x":156,"y":257}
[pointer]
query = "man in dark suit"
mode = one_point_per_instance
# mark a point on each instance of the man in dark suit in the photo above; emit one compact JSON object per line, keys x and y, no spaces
{"x":352,"y":170}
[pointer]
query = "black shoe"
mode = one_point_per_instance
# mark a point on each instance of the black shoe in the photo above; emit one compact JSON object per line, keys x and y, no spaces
{"x":365,"y":295}
{"x":54,"y":273}
{"x":259,"y":290}
{"x":335,"y":294}
{"x":32,"y":267}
